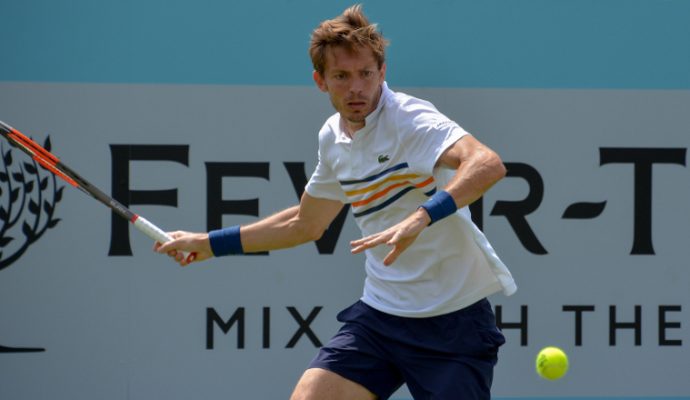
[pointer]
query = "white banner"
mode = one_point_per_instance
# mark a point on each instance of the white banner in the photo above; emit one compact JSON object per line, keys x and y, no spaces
{"x":591,"y":221}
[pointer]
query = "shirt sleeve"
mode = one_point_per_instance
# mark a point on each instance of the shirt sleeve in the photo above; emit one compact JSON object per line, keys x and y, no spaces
{"x":324,"y":183}
{"x":426,"y":134}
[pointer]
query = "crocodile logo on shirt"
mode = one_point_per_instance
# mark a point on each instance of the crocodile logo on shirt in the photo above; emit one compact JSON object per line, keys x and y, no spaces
{"x":383,"y":158}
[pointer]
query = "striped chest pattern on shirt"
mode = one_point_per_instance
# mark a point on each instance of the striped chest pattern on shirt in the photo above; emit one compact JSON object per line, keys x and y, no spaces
{"x":378,"y":191}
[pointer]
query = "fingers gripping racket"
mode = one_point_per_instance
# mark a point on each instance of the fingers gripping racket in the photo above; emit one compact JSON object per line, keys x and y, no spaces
{"x":54,"y":165}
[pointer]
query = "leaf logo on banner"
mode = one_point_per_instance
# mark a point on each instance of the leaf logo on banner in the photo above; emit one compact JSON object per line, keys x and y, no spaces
{"x":29,"y":195}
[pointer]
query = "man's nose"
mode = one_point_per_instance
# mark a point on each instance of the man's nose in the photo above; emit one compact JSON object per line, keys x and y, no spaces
{"x":357,"y":85}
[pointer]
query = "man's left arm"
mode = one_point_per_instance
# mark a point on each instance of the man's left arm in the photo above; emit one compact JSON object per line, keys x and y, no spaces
{"x":477,"y":168}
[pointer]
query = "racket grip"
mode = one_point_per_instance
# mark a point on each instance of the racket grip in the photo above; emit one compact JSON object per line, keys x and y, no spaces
{"x":157,"y":234}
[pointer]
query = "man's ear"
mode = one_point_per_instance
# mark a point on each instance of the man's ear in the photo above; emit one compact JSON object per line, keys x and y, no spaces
{"x":320,"y":81}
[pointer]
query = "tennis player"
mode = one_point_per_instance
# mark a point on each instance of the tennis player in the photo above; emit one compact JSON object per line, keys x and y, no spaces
{"x":409,"y":173}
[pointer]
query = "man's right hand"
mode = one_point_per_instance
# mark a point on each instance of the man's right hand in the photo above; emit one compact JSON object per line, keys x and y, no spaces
{"x":196,"y":244}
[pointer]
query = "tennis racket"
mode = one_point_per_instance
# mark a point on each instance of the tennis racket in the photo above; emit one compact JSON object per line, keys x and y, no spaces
{"x":54,"y":165}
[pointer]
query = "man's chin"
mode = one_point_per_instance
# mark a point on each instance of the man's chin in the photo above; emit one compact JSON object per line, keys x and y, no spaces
{"x":355,"y":117}
{"x":355,"y":121}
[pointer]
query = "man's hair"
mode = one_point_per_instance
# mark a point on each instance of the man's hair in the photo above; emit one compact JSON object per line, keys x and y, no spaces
{"x":350,"y":30}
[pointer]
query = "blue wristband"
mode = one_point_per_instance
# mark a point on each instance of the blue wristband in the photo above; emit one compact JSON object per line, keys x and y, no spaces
{"x":439,"y":206}
{"x":226,"y":241}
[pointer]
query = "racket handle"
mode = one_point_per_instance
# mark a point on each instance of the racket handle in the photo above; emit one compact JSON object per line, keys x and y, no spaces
{"x":157,"y":234}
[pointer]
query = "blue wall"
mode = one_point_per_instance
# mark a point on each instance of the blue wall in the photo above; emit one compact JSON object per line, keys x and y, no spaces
{"x":641,"y":44}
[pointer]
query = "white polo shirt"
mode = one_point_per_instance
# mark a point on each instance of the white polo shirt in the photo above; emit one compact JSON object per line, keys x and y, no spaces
{"x":385,"y":172}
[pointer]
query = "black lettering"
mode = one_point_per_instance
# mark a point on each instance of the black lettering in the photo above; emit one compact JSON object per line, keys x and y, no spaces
{"x":643,"y":159}
{"x":212,"y":318}
{"x":266,"y":328}
{"x":6,"y":349}
{"x":516,"y":211}
{"x":635,"y":325}
{"x":304,"y":328}
{"x":477,"y":212}
{"x":664,"y":325}
{"x":521,"y":325}
{"x":216,"y":207}
{"x":578,"y":310}
{"x":121,"y":157}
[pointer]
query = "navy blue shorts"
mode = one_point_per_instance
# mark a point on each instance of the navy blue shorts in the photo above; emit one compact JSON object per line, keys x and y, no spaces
{"x":450,"y":356}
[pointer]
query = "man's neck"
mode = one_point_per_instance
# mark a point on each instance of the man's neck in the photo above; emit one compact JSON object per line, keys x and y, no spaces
{"x":350,"y":127}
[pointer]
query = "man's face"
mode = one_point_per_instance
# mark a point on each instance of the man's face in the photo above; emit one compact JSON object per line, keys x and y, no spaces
{"x":353,"y":81}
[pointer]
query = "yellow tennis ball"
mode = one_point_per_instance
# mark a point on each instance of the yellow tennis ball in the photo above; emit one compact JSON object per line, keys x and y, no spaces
{"x":552,"y":363}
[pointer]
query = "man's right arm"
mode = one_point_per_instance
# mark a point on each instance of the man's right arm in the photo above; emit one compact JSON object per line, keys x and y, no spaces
{"x":288,"y":228}
{"x":292,"y":227}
